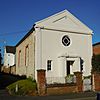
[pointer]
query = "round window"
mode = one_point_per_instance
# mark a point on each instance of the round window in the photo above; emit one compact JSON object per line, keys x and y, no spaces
{"x":66,"y":40}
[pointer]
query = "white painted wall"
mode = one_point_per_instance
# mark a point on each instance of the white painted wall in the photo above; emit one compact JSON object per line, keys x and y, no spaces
{"x":9,"y":59}
{"x":52,"y":49}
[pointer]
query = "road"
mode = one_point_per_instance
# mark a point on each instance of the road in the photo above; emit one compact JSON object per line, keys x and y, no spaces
{"x":71,"y":96}
{"x":43,"y":98}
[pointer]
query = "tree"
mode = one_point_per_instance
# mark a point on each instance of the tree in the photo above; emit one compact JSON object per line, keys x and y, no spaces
{"x":96,"y":63}
{"x":0,"y":60}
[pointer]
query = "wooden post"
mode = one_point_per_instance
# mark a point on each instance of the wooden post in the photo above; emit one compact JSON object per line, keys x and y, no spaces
{"x":41,"y":82}
{"x":96,"y":81}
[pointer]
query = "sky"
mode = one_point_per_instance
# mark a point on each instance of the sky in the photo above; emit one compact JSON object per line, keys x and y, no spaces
{"x":18,"y":16}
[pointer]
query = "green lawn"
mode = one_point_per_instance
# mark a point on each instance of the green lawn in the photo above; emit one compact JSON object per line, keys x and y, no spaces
{"x":22,"y":87}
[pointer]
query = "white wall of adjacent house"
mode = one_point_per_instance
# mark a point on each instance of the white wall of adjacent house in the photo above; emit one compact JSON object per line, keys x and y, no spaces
{"x":9,"y":59}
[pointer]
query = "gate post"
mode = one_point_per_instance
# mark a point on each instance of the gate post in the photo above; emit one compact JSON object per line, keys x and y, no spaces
{"x":96,"y":81}
{"x":79,"y":81}
{"x":41,"y":82}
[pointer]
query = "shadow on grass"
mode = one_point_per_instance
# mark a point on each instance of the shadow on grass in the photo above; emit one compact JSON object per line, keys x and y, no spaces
{"x":7,"y":79}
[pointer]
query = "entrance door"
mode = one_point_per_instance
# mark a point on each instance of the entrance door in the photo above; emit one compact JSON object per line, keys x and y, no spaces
{"x":69,"y":65}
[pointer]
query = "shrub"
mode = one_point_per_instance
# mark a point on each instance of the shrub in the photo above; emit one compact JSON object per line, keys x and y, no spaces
{"x":70,"y":78}
{"x":87,"y":77}
{"x":31,"y":79}
{"x":24,"y":87}
{"x":96,"y":63}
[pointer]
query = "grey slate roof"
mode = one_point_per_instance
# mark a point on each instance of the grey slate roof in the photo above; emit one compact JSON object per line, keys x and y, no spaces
{"x":31,"y":30}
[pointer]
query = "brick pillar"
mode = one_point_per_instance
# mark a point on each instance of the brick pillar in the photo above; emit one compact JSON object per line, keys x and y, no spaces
{"x":41,"y":82}
{"x":96,"y":81}
{"x":79,"y":81}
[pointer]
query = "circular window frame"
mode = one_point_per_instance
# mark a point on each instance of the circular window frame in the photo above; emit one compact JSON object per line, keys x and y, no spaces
{"x":66,"y":40}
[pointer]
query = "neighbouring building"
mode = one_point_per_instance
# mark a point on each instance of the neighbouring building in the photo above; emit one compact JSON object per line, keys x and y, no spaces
{"x":9,"y":60}
{"x":96,"y":48}
{"x":9,"y":56}
{"x":59,"y":44}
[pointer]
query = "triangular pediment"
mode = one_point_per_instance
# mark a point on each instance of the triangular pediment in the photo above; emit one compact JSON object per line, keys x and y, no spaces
{"x":64,"y":21}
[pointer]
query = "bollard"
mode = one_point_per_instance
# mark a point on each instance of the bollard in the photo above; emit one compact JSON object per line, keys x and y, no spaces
{"x":98,"y":96}
{"x":16,"y":89}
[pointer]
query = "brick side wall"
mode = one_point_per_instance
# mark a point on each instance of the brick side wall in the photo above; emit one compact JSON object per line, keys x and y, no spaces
{"x":61,"y":89}
{"x":22,"y":68}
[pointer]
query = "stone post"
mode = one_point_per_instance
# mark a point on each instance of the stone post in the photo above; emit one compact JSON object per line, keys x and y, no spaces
{"x":96,"y":81}
{"x":79,"y":81}
{"x":41,"y":82}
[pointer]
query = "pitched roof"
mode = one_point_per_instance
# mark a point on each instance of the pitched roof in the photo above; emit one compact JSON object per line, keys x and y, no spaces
{"x":64,"y":21}
{"x":31,"y":30}
{"x":10,"y":49}
{"x":51,"y":22}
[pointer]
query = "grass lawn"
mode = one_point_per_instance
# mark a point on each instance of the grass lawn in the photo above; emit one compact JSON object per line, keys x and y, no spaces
{"x":22,"y":87}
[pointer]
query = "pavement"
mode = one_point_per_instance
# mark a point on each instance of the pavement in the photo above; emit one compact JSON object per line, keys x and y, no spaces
{"x":70,"y":96}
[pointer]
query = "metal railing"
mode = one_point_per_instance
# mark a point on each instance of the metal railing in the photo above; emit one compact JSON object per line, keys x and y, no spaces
{"x":61,"y":80}
{"x":70,"y":79}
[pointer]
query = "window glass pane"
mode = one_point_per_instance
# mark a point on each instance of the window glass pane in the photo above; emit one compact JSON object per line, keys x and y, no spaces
{"x":49,"y":65}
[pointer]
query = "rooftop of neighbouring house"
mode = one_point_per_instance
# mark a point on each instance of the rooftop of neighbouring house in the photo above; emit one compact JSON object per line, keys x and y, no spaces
{"x":96,"y":44}
{"x":10,"y":49}
{"x":96,"y":48}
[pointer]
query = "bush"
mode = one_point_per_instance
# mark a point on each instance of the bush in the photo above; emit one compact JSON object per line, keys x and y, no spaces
{"x":31,"y":79}
{"x":70,"y":78}
{"x":22,"y":87}
{"x":96,"y":63}
{"x":87,"y":77}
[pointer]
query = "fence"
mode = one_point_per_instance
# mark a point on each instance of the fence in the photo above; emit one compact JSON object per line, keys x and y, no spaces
{"x":54,"y":80}
{"x":43,"y":89}
{"x":10,"y":70}
{"x":61,"y":80}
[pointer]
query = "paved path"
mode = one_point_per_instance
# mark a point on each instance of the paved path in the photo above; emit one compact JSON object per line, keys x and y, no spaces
{"x":72,"y":96}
